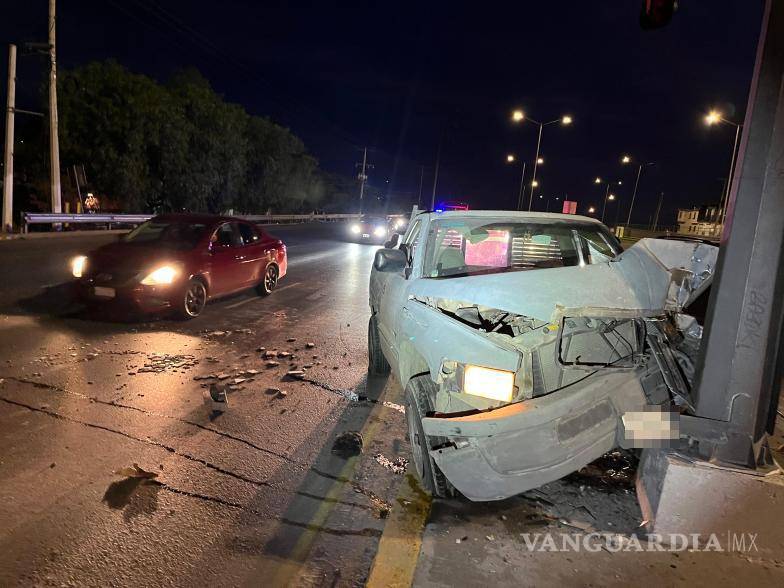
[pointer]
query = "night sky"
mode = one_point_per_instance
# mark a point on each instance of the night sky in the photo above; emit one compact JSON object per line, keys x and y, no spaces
{"x":395,"y":76}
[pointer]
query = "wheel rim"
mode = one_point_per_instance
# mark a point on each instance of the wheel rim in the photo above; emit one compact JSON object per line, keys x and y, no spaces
{"x":416,"y":442}
{"x":270,"y":278}
{"x":195,"y":299}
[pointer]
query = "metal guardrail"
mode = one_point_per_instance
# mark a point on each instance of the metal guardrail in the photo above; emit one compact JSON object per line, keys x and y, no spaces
{"x":47,"y":218}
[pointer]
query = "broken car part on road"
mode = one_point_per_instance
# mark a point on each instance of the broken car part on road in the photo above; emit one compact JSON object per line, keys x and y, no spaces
{"x":538,"y":335}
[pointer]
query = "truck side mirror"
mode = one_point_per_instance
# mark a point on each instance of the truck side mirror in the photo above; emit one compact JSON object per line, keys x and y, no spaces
{"x":390,"y":260}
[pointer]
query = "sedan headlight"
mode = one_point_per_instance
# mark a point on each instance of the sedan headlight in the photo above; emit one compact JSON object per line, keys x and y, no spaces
{"x":355,"y":229}
{"x":488,"y":383}
{"x":162,"y":276}
{"x":399,"y":223}
{"x":380,"y":231}
{"x":78,"y":265}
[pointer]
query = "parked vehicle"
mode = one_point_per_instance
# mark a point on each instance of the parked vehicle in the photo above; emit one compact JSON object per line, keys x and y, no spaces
{"x":177,"y":262}
{"x":523,"y":340}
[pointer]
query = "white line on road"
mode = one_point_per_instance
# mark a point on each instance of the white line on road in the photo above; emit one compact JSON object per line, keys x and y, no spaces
{"x":256,"y":298}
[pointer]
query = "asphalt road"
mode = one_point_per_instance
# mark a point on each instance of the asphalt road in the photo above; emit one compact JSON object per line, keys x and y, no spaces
{"x":254,"y":496}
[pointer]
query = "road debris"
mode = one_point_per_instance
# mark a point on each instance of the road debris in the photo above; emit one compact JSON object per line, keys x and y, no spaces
{"x":310,"y":345}
{"x":272,"y":364}
{"x":397,"y":465}
{"x":134,"y":471}
{"x":161,"y":362}
{"x":291,"y":339}
{"x":348,"y":444}
{"x":216,"y":398}
{"x":296,"y":374}
{"x":393,"y":406}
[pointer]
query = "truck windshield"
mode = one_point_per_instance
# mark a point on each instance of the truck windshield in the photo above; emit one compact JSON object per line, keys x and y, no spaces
{"x":468,"y":246}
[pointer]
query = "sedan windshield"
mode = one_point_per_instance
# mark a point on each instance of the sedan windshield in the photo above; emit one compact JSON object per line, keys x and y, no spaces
{"x":468,"y":246}
{"x":174,"y":234}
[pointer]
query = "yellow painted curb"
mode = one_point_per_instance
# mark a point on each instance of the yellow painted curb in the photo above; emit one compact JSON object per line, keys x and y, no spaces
{"x":398,"y":549}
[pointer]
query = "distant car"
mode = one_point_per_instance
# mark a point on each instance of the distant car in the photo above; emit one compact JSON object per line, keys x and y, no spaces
{"x":528,"y":343}
{"x":178,"y":262}
{"x":398,"y":223}
{"x":369,"y":229}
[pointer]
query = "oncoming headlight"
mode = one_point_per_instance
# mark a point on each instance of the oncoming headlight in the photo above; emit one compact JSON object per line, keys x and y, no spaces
{"x":355,"y":229}
{"x":78,"y":265}
{"x":398,"y":223}
{"x":162,"y":276}
{"x":380,"y":231}
{"x":488,"y":383}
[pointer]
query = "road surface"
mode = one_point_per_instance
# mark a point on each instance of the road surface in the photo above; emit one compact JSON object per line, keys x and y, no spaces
{"x":252,"y":496}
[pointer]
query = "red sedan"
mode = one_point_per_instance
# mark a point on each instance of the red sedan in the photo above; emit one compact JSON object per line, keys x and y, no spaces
{"x":179,"y":261}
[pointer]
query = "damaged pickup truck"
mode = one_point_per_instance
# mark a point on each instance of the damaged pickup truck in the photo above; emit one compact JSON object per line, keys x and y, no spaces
{"x":522,"y":340}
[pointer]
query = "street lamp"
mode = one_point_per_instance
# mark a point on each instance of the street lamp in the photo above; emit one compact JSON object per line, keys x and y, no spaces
{"x":511,"y":159}
{"x":627,"y":159}
{"x":607,"y":195}
{"x":591,"y":210}
{"x":540,"y":161}
{"x":519,"y":116}
{"x":715,"y":117}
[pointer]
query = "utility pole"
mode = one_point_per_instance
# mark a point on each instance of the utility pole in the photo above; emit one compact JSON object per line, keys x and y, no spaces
{"x":54,"y":142}
{"x":421,"y":179}
{"x":8,"y":175}
{"x":658,"y":209}
{"x":435,"y":174}
{"x":363,"y":176}
{"x":520,"y":192}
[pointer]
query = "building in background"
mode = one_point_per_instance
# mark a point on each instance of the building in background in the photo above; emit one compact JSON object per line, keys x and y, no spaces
{"x":704,"y":221}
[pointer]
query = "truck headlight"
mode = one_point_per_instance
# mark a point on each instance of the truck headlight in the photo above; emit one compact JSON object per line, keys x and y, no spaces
{"x":488,"y":383}
{"x":355,"y":229}
{"x":78,"y":265}
{"x":162,"y":276}
{"x":380,"y":231}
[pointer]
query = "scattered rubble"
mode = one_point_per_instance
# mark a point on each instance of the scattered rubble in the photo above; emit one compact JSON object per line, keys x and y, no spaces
{"x":272,"y":364}
{"x":133,"y":471}
{"x":397,"y":465}
{"x":310,"y":345}
{"x":296,"y":374}
{"x":161,"y":362}
{"x":348,"y":444}
{"x":216,"y":398}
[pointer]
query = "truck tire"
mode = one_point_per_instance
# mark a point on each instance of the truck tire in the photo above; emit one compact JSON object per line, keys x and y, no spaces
{"x":377,"y":363}
{"x":419,"y":394}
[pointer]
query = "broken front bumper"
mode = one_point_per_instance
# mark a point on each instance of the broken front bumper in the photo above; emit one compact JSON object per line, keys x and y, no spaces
{"x":499,"y":453}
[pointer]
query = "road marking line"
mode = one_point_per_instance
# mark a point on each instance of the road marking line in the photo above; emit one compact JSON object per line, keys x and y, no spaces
{"x":297,"y":557}
{"x":256,"y":298}
{"x":398,"y":550}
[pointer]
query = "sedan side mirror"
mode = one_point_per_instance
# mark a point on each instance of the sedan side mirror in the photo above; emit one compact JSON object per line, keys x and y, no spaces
{"x":390,"y":260}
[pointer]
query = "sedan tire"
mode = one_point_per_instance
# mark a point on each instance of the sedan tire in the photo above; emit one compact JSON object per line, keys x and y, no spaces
{"x":269,"y":280}
{"x":193,"y":300}
{"x":419,"y":392}
{"x":377,"y":363}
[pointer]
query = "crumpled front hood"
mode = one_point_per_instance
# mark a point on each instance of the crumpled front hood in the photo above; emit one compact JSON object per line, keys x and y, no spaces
{"x":651,"y":276}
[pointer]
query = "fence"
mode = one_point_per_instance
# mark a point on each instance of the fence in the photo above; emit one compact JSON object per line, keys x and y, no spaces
{"x":45,"y":218}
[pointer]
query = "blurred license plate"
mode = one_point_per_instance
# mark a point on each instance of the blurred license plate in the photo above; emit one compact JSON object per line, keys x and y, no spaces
{"x":365,"y":236}
{"x":103,"y":292}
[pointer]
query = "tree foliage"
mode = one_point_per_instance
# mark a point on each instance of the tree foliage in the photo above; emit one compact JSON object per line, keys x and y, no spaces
{"x":180,"y":146}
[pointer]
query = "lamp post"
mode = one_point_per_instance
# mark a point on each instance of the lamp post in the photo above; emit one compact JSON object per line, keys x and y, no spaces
{"x":607,"y":195}
{"x":518,"y":116}
{"x":626,"y":159}
{"x":511,"y":159}
{"x":715,"y":117}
